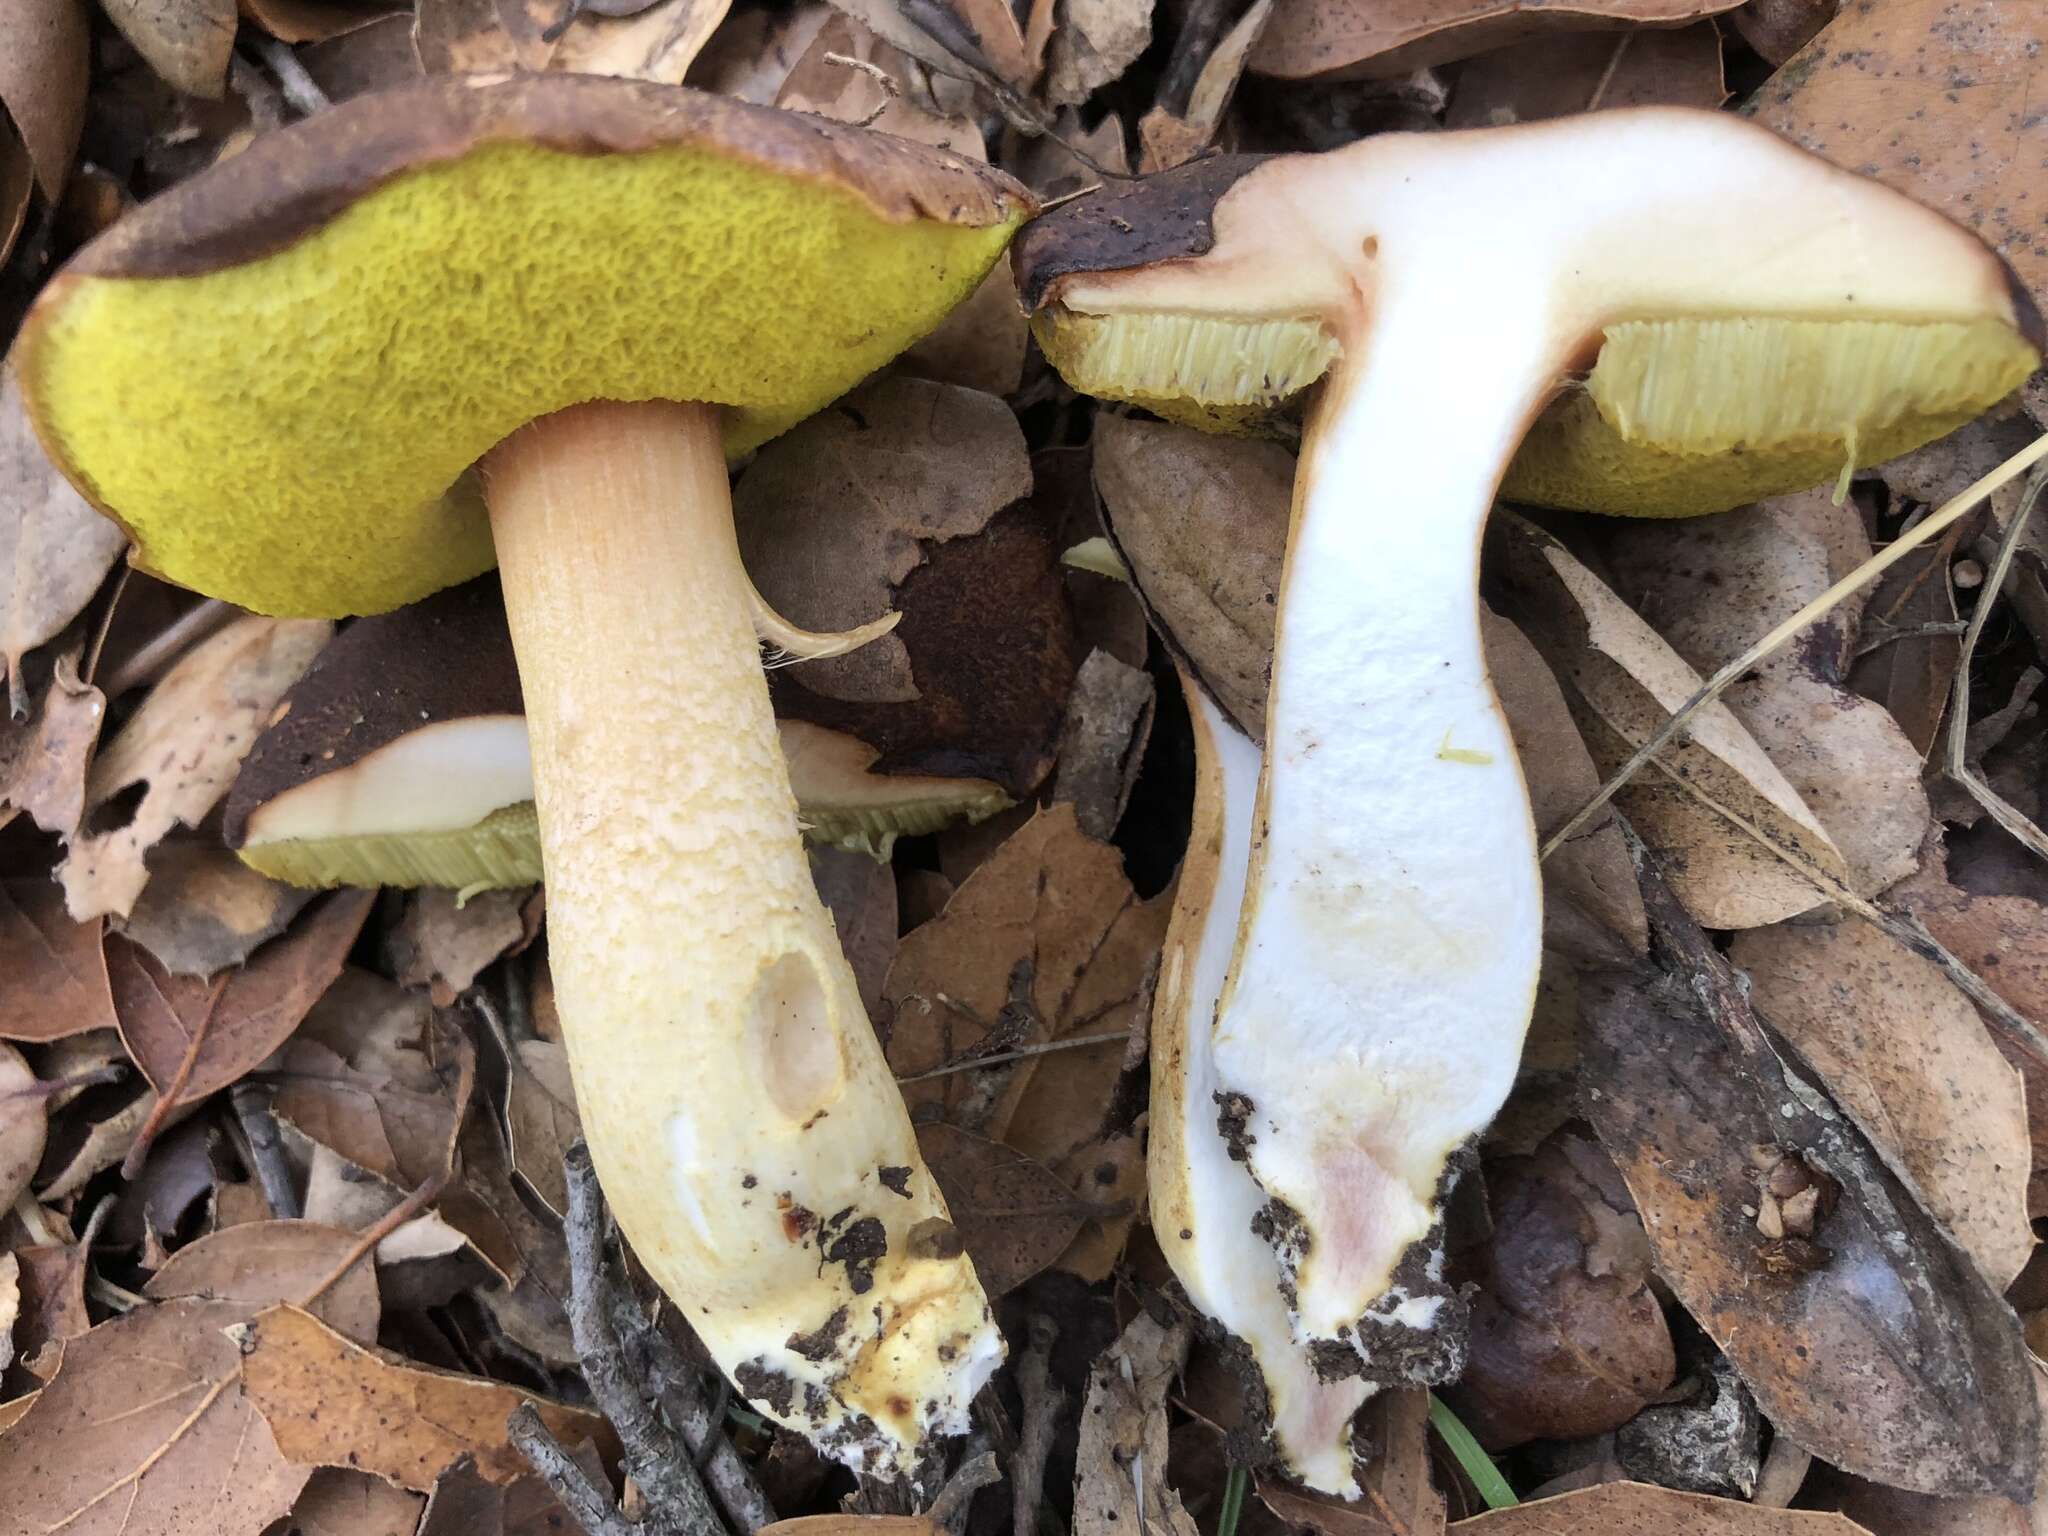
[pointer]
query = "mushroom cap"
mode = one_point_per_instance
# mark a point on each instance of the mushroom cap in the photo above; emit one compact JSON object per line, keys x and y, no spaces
{"x":1727,"y":315}
{"x":278,"y":375}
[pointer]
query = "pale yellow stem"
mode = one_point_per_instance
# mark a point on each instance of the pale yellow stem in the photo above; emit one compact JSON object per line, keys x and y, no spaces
{"x":737,"y":1104}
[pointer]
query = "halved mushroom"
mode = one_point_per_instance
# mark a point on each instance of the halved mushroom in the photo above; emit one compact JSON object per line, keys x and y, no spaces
{"x":529,"y":318}
{"x":1691,"y":313}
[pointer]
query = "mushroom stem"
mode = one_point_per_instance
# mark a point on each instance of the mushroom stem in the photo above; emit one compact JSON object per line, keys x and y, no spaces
{"x":736,"y":1101}
{"x":1388,"y":947}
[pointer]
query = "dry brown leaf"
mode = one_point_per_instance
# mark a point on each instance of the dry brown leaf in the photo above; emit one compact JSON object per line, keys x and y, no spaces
{"x":371,"y":58}
{"x":1777,"y":29}
{"x":442,"y":942}
{"x":835,"y":514}
{"x":184,"y":742}
{"x":1938,"y":98}
{"x":261,"y":1262}
{"x":205,"y":910}
{"x":1912,"y":676}
{"x":187,"y":42}
{"x":1555,"y":76}
{"x":236,"y":1023}
{"x":658,"y":44}
{"x":54,"y":548}
{"x":10,"y":1306}
{"x":313,"y":21}
{"x":1094,"y":42}
{"x":1102,"y":744}
{"x":1902,"y":1051}
{"x":333,"y":1403}
{"x":53,"y":1311}
{"x":1710,"y":586}
{"x":1123,"y":1437}
{"x":1391,"y":1441}
{"x":1050,"y":167}
{"x":465,"y":1504}
{"x":143,"y":1434}
{"x":528,"y":1254}
{"x":1014,"y":1214}
{"x":1695,"y":801}
{"x":1568,"y":1338}
{"x":24,"y":1124}
{"x":851,"y":1525}
{"x":44,"y":758}
{"x":1169,"y":138}
{"x":752,"y":54}
{"x":43,"y":76}
{"x":338,"y":1501}
{"x":1637,"y":1509}
{"x":53,"y":974}
{"x":454,"y":36}
{"x":860,"y":893}
{"x":1378,"y":39}
{"x":540,"y":1111}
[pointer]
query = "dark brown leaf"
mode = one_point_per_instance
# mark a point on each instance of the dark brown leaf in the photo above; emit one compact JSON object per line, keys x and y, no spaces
{"x":205,"y":910}
{"x":340,"y":1502}
{"x":44,"y":757}
{"x":53,"y":975}
{"x":187,"y":42}
{"x":263,"y":1262}
{"x":1581,"y":71}
{"x":464,"y":1503}
{"x":24,"y":1123}
{"x":1014,"y":1214}
{"x":1637,"y":1509}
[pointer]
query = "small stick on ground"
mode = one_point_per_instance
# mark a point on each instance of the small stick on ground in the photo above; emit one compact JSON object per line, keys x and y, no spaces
{"x":266,"y":1150}
{"x":589,"y":1505}
{"x":1043,"y":1402}
{"x":949,"y":1509}
{"x":656,"y":1457}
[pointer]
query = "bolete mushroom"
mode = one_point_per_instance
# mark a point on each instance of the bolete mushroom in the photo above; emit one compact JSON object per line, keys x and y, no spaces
{"x":534,"y":315}
{"x":1679,"y":312}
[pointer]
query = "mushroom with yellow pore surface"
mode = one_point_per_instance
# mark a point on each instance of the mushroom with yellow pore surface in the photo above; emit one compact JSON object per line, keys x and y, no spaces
{"x":531,"y":317}
{"x":1666,"y":312}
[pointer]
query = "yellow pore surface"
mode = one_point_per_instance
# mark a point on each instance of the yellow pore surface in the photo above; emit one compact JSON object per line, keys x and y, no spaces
{"x":295,"y":434}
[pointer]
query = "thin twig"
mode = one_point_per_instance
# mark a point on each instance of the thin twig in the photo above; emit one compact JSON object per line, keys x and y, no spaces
{"x":266,"y":1149}
{"x":949,"y":1509}
{"x":189,"y":629}
{"x":167,"y":1101}
{"x":1042,"y":1400}
{"x":588,"y":1505}
{"x":1897,"y":550}
{"x":301,"y":93}
{"x":1910,"y":632}
{"x":1000,"y":1057}
{"x":2003,"y":811}
{"x":1607,"y":75}
{"x":387,"y":1224}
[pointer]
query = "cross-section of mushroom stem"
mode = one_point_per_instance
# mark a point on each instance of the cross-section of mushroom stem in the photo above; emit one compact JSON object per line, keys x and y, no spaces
{"x":1744,"y":319}
{"x":737,"y":1104}
{"x":1206,"y":1209}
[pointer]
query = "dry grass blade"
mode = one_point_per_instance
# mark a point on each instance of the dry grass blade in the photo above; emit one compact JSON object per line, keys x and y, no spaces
{"x":1712,"y":689}
{"x":2002,"y":810}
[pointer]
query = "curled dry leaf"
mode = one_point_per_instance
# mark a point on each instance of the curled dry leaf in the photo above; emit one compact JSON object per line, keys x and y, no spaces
{"x":1902,"y":1050}
{"x":333,"y":1403}
{"x":54,"y":548}
{"x":456,"y":36}
{"x":143,"y":1433}
{"x":527,"y":1253}
{"x":1168,"y":137}
{"x":24,"y":1124}
{"x":187,"y":42}
{"x":53,"y":1311}
{"x":1584,"y":71}
{"x":442,"y":941}
{"x":836,"y":513}
{"x":313,"y":21}
{"x":338,"y":1501}
{"x":1929,"y":1388}
{"x":205,"y":910}
{"x":44,"y":757}
{"x":1093,"y":44}
{"x":1568,"y":1338}
{"x":236,"y":1023}
{"x":53,"y":972}
{"x":1712,"y":585}
{"x":1938,"y":98}
{"x":184,"y":743}
{"x":1014,"y":1214}
{"x":1637,"y":1509}
{"x":43,"y":76}
{"x":1202,"y":523}
{"x":1102,"y":745}
{"x":1698,"y":803}
{"x":262,"y":1262}
{"x":1378,"y":39}
{"x":1121,"y":1459}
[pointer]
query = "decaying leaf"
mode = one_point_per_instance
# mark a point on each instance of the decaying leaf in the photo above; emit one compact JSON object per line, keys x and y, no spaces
{"x":1699,"y":802}
{"x":261,"y":1261}
{"x":143,"y":1433}
{"x":860,"y":893}
{"x":1168,"y":138}
{"x":1014,"y":1214}
{"x":1912,"y":674}
{"x":1121,"y":1461}
{"x":1904,"y":1053}
{"x":187,"y":42}
{"x":334,"y":1403}
{"x":236,"y":1022}
{"x":1865,"y":1333}
{"x":52,"y":1281}
{"x":442,"y":942}
{"x":369,"y":58}
{"x":1637,"y":1509}
{"x":1093,"y":44}
{"x":1568,"y":1339}
{"x":464,"y":1503}
{"x":660,"y":43}
{"x":1939,"y":98}
{"x":527,"y":1253}
{"x":312,"y":21}
{"x":205,"y":910}
{"x":54,"y":548}
{"x":24,"y":1124}
{"x":44,"y":757}
{"x":1547,"y":77}
{"x":53,"y":973}
{"x":540,"y":1112}
{"x":1378,"y":39}
{"x":338,"y":1501}
{"x":43,"y":76}
{"x":184,"y":743}
{"x":1712,"y":585}
{"x":454,"y":36}
{"x":1102,"y":745}
{"x":835,"y":514}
